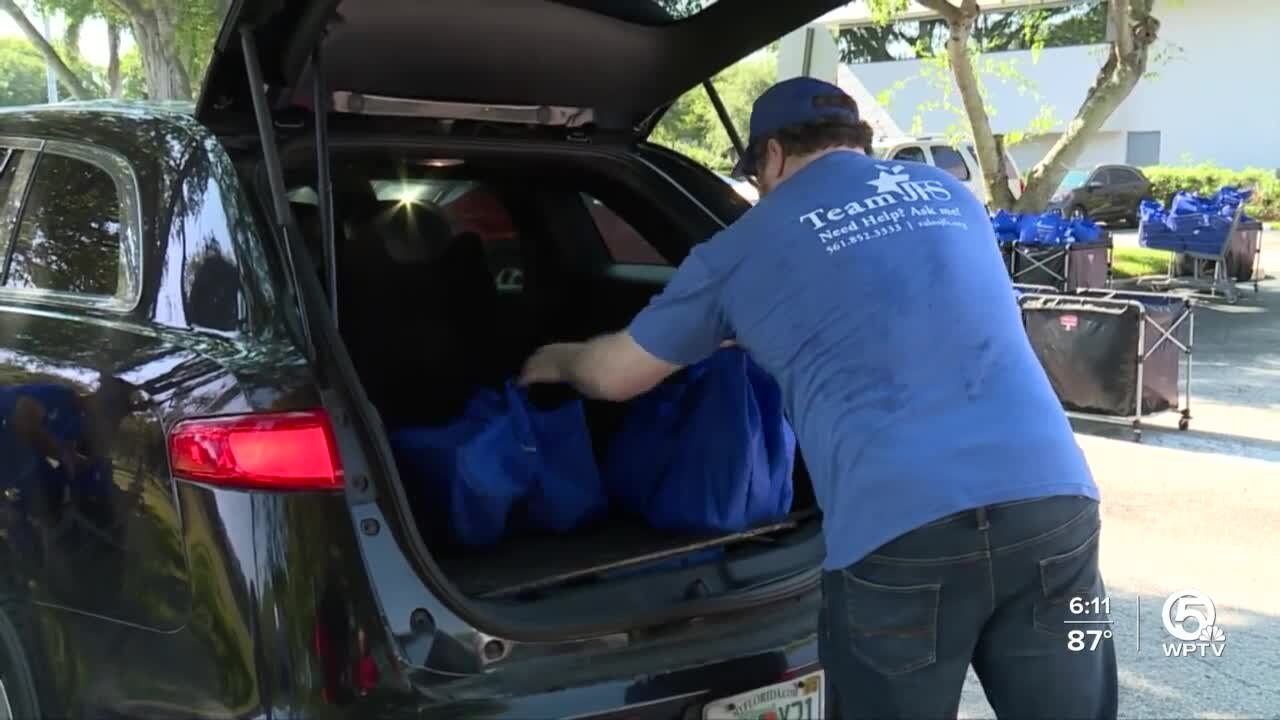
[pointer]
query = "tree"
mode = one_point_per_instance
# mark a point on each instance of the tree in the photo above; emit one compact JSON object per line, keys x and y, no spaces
{"x":692,"y":126}
{"x":1126,"y":62}
{"x":174,"y":40}
{"x":22,"y":73}
{"x":65,"y":74}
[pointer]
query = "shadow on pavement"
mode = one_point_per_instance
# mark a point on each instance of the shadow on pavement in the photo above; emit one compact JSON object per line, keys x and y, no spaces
{"x":1192,"y":440}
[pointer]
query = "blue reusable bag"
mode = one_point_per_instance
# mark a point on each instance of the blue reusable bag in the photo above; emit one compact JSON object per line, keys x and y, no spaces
{"x":1005,"y":225}
{"x":504,"y":463}
{"x":1083,"y":230}
{"x":708,"y":451}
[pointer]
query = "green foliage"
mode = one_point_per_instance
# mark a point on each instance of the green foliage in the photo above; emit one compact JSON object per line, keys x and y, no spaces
{"x":692,"y":126}
{"x":196,"y":24}
{"x":133,"y":83}
{"x":994,"y":30}
{"x":1206,"y":179}
{"x":935,"y":71}
{"x":199,"y":21}
{"x":22,"y":74}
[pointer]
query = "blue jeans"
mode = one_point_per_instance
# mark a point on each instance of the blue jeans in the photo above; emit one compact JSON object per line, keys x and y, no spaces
{"x":991,"y":587}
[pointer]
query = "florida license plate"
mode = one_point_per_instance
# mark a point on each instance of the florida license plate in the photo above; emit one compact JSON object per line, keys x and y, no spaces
{"x":798,"y":699}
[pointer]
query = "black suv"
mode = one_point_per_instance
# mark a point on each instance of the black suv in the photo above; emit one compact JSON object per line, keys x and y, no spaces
{"x":209,"y":324}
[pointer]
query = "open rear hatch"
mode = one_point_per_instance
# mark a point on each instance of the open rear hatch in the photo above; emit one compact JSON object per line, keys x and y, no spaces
{"x":609,"y":65}
{"x":589,"y":66}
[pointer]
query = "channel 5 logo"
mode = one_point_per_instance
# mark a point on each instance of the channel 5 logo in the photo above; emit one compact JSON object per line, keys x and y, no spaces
{"x":1191,"y":617}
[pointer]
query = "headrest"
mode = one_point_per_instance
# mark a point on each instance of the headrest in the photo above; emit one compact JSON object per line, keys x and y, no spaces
{"x":409,"y":233}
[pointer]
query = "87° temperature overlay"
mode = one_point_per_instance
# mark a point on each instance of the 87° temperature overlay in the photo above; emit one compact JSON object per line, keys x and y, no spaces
{"x":1090,"y":623}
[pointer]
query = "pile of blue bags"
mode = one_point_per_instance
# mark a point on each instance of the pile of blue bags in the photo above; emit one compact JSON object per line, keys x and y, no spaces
{"x":1047,"y":229}
{"x":1192,"y":223}
{"x":707,"y":451}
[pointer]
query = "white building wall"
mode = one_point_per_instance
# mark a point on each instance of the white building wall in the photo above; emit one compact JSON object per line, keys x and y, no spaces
{"x":1215,"y":98}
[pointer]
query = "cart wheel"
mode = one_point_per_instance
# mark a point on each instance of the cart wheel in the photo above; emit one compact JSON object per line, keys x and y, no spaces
{"x":1137,"y":431}
{"x":1184,"y":423}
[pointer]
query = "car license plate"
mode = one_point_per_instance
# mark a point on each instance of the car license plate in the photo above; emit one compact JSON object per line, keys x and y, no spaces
{"x":798,"y":699}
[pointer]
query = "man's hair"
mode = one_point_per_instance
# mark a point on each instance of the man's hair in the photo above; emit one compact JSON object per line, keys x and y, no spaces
{"x":830,"y":132}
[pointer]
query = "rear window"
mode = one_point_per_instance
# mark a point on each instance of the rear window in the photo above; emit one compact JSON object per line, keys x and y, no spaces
{"x":69,"y":239}
{"x":949,"y":159}
{"x":1124,"y":175}
{"x":911,"y":153}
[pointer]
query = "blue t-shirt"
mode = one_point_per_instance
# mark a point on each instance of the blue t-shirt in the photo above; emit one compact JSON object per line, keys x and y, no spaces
{"x":875,"y":295}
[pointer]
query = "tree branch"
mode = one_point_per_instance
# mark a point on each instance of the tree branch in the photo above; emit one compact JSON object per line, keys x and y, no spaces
{"x":64,"y":73}
{"x":1116,"y":79}
{"x":1119,"y":11}
{"x":949,"y":12}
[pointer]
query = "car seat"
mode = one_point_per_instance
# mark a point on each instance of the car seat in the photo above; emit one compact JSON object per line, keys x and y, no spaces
{"x":416,"y":310}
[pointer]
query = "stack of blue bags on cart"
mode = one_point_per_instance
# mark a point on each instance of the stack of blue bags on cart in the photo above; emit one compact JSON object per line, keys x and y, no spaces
{"x":710,"y":450}
{"x":1042,"y":229}
{"x":1193,"y":223}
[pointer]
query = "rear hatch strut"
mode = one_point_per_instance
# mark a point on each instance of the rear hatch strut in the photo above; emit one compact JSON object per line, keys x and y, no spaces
{"x":723,"y":113}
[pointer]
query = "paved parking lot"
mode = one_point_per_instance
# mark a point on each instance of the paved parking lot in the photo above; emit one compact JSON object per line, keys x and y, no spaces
{"x":1198,"y":510}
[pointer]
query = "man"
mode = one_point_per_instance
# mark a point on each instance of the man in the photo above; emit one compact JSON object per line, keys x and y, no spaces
{"x":960,"y":517}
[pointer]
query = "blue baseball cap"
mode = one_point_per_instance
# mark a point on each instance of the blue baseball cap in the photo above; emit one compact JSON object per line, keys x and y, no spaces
{"x":789,"y":102}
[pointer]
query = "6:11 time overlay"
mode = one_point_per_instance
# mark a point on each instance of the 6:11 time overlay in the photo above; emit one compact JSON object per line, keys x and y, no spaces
{"x":1092,"y":616}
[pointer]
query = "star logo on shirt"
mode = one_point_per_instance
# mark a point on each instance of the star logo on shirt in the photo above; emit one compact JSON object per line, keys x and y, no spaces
{"x":890,"y":180}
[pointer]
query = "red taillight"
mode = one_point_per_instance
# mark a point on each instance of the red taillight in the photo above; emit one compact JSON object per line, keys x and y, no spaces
{"x":276,"y":451}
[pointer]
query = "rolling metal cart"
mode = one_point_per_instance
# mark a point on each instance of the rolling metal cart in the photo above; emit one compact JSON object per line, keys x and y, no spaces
{"x":1066,"y":268}
{"x":1123,"y":355}
{"x":1207,"y":242}
{"x":1244,"y":256}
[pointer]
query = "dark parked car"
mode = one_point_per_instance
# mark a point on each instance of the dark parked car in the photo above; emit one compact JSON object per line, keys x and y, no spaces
{"x":1108,"y":193}
{"x":203,"y":350}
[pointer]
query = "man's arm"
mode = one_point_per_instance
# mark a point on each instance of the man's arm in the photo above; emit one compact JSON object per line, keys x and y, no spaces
{"x":681,"y":325}
{"x":610,"y":367}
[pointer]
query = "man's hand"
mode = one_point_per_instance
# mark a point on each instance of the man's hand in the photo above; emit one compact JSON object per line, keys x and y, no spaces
{"x":550,"y":364}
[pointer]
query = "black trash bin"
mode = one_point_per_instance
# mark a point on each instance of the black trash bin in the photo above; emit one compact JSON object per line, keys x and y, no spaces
{"x":1114,"y":354}
{"x":1242,"y":257}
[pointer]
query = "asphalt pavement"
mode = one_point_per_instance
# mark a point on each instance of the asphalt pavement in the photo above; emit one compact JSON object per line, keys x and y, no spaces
{"x":1198,"y":510}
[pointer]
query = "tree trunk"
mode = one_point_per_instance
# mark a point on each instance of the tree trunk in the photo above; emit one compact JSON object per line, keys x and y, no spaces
{"x":115,"y":83}
{"x":1136,"y":30}
{"x":154,"y":30}
{"x":71,"y":38}
{"x":960,"y":21}
{"x":64,"y":74}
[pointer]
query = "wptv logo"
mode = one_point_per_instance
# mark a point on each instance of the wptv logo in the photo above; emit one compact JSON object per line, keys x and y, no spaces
{"x":1190,"y":617}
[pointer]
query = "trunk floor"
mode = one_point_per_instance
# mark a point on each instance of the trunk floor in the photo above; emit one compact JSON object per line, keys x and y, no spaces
{"x":528,"y":562}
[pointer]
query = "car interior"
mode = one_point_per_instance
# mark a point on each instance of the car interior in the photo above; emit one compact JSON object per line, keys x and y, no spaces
{"x":450,"y":272}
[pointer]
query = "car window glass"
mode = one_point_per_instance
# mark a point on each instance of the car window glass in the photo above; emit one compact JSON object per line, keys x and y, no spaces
{"x":947,"y":158}
{"x":625,"y":244}
{"x":1103,"y":177}
{"x":10,"y":197}
{"x":474,"y":207}
{"x":69,"y":236}
{"x":1119,"y":175}
{"x":911,"y":153}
